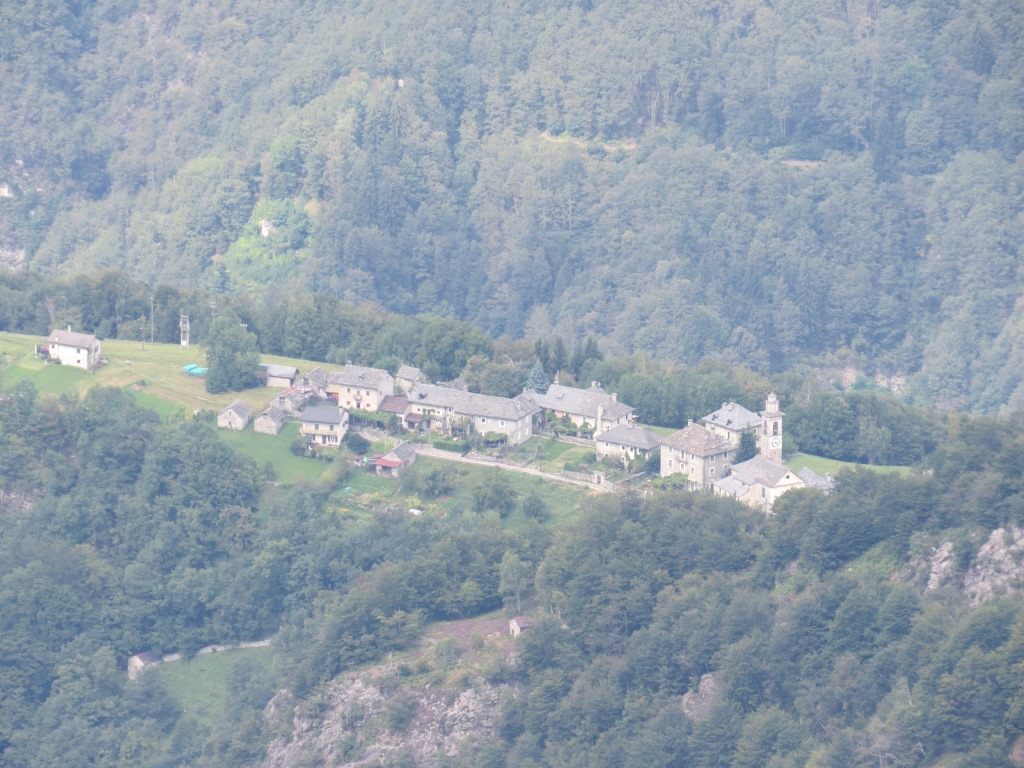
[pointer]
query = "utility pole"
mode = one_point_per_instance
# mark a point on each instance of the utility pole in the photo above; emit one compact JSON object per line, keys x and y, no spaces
{"x":151,"y":326}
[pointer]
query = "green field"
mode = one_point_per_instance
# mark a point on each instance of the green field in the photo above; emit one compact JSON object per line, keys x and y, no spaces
{"x":200,"y":684}
{"x":825,"y":466}
{"x":151,"y":369}
{"x":288,"y":468}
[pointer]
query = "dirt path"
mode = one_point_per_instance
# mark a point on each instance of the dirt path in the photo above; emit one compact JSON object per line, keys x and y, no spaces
{"x":427,"y":450}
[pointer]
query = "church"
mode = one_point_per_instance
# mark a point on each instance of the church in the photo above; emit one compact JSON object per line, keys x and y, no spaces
{"x":704,"y":453}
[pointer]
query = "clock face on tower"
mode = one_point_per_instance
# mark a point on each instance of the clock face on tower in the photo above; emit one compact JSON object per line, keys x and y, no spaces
{"x":776,"y":442}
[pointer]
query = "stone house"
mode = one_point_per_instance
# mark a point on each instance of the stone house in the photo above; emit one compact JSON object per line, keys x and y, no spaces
{"x":456,"y":412}
{"x":324,"y":424}
{"x":732,"y":420}
{"x":698,"y":454}
{"x":283,"y":376}
{"x":408,"y":377}
{"x":141,"y":661}
{"x":394,"y":461}
{"x":271,"y":421}
{"x":626,"y":440}
{"x":518,"y":625}
{"x":79,"y":350}
{"x":235,"y":416}
{"x":359,"y":387}
{"x":592,"y":407}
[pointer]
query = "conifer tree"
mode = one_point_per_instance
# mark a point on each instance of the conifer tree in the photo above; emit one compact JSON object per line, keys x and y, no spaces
{"x":537,"y":380}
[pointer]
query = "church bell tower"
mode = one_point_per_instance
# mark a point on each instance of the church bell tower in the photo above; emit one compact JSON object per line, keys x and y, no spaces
{"x":771,"y":429}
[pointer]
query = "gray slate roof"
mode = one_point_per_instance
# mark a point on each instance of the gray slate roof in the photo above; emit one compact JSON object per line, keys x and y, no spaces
{"x":631,"y":437}
{"x":410,"y":373}
{"x":358,"y":376}
{"x":732,"y":486}
{"x":240,"y":408}
{"x":471,"y":404}
{"x":581,"y":402}
{"x":813,"y":480}
{"x":695,"y":439}
{"x":761,"y":470}
{"x":281,"y":371}
{"x":733,"y":416}
{"x":322,"y":414}
{"x":72,"y":339}
{"x":274,"y":412}
{"x":317,"y":377}
{"x":403,"y":452}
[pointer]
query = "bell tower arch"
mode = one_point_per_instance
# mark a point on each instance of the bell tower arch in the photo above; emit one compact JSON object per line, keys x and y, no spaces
{"x":770,"y":438}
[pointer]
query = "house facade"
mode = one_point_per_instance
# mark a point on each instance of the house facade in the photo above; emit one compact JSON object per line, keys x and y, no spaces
{"x":324,"y":424}
{"x":270,"y":421}
{"x":80,"y":350}
{"x":359,"y":387}
{"x":626,"y":440}
{"x":283,"y":376}
{"x":586,"y":408}
{"x":235,"y":416}
{"x":731,"y":421}
{"x":699,"y":455}
{"x":758,"y":482}
{"x":455,"y":411}
{"x":392,"y":463}
{"x":408,"y":377}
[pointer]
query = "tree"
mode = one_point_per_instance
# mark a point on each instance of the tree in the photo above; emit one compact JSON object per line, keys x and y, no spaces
{"x":231,"y":355}
{"x":747,"y":448}
{"x":515,"y":577}
{"x":538,"y":379}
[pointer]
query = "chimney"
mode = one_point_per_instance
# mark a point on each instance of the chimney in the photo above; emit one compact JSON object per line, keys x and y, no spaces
{"x":615,"y":397}
{"x":689,"y":422}
{"x":593,"y":384}
{"x":69,"y":326}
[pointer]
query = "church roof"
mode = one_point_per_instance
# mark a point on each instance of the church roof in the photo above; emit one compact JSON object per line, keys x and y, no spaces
{"x":762,"y":470}
{"x":695,"y":439}
{"x":731,"y":486}
{"x":813,"y":480}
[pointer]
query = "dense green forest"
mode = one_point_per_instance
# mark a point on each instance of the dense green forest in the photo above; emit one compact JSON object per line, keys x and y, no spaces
{"x":765,"y":183}
{"x":121,"y":533}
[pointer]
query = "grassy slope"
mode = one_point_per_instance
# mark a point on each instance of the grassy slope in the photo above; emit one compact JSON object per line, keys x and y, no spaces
{"x":831,"y":466}
{"x":200,"y":684}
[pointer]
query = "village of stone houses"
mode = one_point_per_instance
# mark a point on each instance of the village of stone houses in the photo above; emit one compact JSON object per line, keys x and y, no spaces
{"x":415,"y":417}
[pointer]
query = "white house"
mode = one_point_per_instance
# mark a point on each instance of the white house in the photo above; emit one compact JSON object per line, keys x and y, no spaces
{"x":359,"y":387}
{"x":81,"y":350}
{"x":324,"y":424}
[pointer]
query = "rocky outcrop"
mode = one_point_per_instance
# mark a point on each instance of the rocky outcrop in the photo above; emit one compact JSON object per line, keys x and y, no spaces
{"x":998,"y":569}
{"x":942,"y":566}
{"x":354,"y":723}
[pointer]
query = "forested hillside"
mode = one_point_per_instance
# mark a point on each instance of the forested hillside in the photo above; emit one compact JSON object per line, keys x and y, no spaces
{"x":678,"y":629}
{"x":771,"y":184}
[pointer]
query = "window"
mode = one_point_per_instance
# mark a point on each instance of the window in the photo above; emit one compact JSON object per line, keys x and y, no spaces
{"x":712,"y":470}
{"x":483,"y":420}
{"x":501,"y":423}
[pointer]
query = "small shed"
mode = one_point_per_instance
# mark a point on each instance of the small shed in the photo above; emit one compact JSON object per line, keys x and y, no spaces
{"x":394,"y":461}
{"x":235,"y":416}
{"x":141,"y":661}
{"x":283,"y":376}
{"x":518,"y":625}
